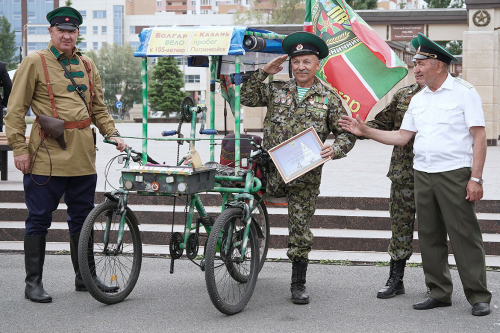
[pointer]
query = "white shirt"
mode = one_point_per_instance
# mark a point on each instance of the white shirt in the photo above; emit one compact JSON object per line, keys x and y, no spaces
{"x":442,"y":120}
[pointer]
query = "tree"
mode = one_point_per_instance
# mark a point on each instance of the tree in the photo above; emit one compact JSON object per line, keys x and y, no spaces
{"x":7,"y":44}
{"x":452,"y":46}
{"x":287,"y":11}
{"x":445,"y":3}
{"x":273,"y":12}
{"x":80,"y":39}
{"x":362,"y":4}
{"x":120,"y":73}
{"x":167,"y":80}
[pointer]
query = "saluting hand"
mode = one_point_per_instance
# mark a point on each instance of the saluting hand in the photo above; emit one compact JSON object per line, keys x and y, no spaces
{"x":274,"y":66}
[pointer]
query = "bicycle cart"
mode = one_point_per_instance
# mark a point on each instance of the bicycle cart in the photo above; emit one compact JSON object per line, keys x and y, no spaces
{"x":236,"y":242}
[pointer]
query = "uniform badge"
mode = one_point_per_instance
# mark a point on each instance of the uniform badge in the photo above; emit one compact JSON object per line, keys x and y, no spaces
{"x":277,"y":99}
{"x":300,"y":46}
{"x":288,"y":99}
{"x":311,"y":101}
{"x":325,"y":107}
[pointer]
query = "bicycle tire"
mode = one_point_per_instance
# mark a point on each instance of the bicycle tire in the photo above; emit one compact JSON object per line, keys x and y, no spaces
{"x":117,"y":268}
{"x":230,"y":283}
{"x":262,"y":218}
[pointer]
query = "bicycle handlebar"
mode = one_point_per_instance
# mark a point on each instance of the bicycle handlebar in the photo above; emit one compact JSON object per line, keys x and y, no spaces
{"x":138,"y":154}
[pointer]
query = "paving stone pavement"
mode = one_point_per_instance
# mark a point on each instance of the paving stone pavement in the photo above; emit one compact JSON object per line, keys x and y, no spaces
{"x":343,"y":299}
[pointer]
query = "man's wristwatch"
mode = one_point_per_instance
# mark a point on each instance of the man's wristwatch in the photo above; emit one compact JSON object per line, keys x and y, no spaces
{"x":477,"y":180}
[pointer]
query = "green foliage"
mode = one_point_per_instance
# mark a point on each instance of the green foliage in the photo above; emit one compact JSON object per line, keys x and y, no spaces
{"x":437,"y":3}
{"x":362,"y":4}
{"x":120,"y":73}
{"x":454,"y":46}
{"x":7,"y":44}
{"x":164,"y":90}
{"x":445,"y":3}
{"x":282,"y":12}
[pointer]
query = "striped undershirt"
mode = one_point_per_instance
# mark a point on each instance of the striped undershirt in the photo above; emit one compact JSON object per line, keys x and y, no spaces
{"x":302,"y":92}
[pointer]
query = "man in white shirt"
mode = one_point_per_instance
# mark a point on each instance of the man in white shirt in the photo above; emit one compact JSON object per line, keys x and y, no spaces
{"x":448,"y":120}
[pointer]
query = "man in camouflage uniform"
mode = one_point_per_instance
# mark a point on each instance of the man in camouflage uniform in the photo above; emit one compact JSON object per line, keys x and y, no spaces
{"x":402,"y":199}
{"x":289,"y":113}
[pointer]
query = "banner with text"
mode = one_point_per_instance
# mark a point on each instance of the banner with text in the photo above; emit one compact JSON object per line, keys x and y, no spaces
{"x":172,"y":41}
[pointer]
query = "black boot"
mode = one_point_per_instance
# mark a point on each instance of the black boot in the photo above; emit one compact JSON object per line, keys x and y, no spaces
{"x":394,"y":285}
{"x":79,"y":284}
{"x":34,"y":257}
{"x":298,"y":288}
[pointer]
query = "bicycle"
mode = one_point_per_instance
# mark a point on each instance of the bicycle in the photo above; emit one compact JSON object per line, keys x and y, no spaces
{"x":110,"y":247}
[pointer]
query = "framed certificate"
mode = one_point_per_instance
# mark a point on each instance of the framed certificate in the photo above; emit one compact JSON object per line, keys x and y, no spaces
{"x":298,"y":155}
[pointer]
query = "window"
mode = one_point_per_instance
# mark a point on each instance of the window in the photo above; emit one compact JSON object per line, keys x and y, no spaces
{"x":95,"y":30}
{"x":104,"y":44}
{"x":104,"y":30}
{"x":83,"y":13}
{"x":158,"y":3}
{"x":193,"y":3}
{"x":191,"y":78}
{"x":31,"y":46}
{"x":132,"y":29}
{"x":169,"y":4}
{"x":205,"y":2}
{"x":181,"y":61}
{"x":31,"y":30}
{"x":204,"y":11}
{"x":96,"y":45}
{"x":184,"y":3}
{"x":83,"y":30}
{"x":82,"y":46}
{"x":99,"y":14}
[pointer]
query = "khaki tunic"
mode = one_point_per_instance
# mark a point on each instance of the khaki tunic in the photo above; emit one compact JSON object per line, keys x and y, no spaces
{"x":30,"y":89}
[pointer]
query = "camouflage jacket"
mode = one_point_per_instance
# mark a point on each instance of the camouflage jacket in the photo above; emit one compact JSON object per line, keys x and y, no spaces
{"x":286,"y":116}
{"x":391,"y":118}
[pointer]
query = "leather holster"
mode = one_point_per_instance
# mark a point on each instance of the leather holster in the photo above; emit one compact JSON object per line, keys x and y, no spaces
{"x":54,"y":128}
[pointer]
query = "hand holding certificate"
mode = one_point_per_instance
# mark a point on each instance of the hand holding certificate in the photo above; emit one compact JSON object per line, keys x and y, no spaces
{"x":298,"y":155}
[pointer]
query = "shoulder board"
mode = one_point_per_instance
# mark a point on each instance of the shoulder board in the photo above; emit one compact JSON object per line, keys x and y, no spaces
{"x":465,"y":83}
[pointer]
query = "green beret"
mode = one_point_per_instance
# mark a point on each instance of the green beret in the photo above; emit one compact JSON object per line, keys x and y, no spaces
{"x":428,"y":49}
{"x":302,"y":42}
{"x":66,"y":18}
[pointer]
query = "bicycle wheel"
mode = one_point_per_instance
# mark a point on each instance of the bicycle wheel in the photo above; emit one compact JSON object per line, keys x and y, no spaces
{"x":262,"y":218}
{"x":230,"y":281}
{"x":109,"y":272}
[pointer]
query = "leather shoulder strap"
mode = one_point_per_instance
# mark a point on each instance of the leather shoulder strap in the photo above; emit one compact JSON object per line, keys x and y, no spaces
{"x":91,"y":84}
{"x":49,"y":86}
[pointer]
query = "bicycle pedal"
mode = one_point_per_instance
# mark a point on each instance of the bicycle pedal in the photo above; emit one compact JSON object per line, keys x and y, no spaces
{"x":206,"y":221}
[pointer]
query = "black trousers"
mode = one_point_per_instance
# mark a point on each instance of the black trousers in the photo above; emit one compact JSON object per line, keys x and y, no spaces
{"x":43,"y":200}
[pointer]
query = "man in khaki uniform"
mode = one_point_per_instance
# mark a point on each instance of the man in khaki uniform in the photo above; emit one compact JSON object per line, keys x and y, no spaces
{"x":55,"y":167}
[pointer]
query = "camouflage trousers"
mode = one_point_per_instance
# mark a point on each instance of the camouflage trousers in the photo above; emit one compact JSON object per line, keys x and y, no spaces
{"x":301,"y":207}
{"x":402,"y":211}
